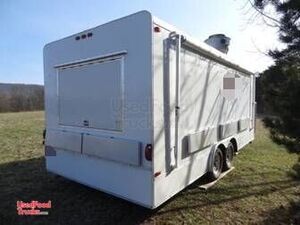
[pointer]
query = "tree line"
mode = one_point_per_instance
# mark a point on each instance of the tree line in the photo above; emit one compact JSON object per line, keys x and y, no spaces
{"x":21,"y":97}
{"x":279,"y":85}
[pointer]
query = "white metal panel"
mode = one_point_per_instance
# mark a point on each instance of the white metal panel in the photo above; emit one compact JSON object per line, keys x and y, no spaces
{"x":200,"y":92}
{"x":163,"y":102}
{"x":128,"y":182}
{"x":228,"y":129}
{"x":244,"y":99}
{"x":168,"y":184}
{"x":64,"y":140}
{"x":90,"y":95}
{"x":243,"y":124}
{"x":119,"y":150}
{"x":202,"y":139}
{"x":129,"y":36}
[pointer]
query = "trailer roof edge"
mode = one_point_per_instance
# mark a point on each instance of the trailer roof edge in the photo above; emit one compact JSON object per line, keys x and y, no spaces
{"x":202,"y":47}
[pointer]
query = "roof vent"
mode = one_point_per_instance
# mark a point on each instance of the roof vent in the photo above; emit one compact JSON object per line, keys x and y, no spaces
{"x":219,"y":42}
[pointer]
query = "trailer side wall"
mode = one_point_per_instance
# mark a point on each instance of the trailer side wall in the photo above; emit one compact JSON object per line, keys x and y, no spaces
{"x":211,"y":112}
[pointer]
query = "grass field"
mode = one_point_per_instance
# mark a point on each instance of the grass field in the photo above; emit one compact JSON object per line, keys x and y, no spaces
{"x":263,"y":189}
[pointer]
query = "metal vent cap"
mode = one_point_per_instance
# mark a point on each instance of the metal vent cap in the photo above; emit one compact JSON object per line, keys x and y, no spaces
{"x":219,"y":42}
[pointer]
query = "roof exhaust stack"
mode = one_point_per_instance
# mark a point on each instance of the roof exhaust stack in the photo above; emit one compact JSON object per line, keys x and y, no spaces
{"x":219,"y":42}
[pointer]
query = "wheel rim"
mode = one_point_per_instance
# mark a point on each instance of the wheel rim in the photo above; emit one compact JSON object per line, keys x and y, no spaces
{"x":217,"y":163}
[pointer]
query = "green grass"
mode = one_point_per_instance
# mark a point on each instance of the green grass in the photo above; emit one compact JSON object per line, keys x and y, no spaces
{"x":262,"y":189}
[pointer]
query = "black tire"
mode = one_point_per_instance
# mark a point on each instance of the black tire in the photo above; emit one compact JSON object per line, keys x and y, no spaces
{"x":229,"y":153}
{"x":217,"y":165}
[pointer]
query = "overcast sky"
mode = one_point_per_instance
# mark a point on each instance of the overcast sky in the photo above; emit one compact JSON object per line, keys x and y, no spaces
{"x":27,"y":25}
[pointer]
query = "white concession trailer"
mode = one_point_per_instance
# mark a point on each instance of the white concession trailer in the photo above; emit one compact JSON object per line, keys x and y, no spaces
{"x":138,"y":109}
